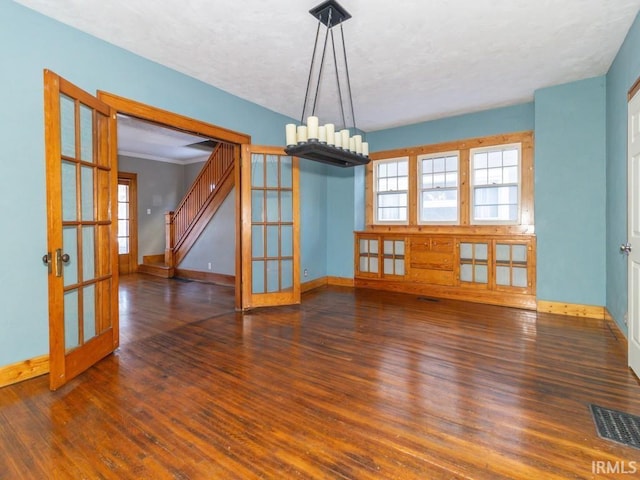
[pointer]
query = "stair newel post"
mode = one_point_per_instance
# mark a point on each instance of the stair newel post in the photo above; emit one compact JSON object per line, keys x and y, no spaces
{"x":170,"y":239}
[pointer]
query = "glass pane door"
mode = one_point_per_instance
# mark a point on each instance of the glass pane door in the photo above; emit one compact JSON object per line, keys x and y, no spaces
{"x":79,"y":172}
{"x":81,"y":187}
{"x":270,"y":255}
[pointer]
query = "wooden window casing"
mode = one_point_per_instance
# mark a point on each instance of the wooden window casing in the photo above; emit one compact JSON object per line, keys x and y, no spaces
{"x":483,"y":262}
{"x":525,"y":225}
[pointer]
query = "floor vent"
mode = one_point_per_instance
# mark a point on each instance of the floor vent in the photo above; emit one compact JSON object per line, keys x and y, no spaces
{"x":428,"y":299}
{"x":616,"y":426}
{"x":182,"y":280}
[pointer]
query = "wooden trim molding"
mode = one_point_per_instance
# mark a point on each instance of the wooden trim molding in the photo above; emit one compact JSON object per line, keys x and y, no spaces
{"x":634,"y":89}
{"x":571,"y":309}
{"x":323,"y":281}
{"x":313,"y":284}
{"x":147,"y":112}
{"x":20,"y":371}
{"x":207,"y":277}
{"x":341,"y":281}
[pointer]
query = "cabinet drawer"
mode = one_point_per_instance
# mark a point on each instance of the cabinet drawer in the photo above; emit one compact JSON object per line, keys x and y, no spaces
{"x":445,"y":245}
{"x":431,"y":260}
{"x":435,"y":277}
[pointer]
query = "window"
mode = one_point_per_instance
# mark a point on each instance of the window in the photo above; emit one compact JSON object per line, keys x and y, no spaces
{"x":496,"y":184}
{"x":479,"y":185}
{"x":123,"y":216}
{"x":391,"y":187}
{"x":438,"y":186}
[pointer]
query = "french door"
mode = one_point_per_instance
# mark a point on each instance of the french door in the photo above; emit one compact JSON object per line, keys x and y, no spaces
{"x":82,"y":257}
{"x":127,"y":223}
{"x":269,"y":227}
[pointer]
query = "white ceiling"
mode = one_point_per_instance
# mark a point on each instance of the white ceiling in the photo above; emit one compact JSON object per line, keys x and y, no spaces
{"x":409,"y":60}
{"x":140,"y":139}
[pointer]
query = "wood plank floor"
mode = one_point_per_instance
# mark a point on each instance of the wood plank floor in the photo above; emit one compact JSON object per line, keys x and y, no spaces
{"x":350,"y":385}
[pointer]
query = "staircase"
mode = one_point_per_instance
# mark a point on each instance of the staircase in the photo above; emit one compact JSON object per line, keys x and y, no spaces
{"x":197,"y":208}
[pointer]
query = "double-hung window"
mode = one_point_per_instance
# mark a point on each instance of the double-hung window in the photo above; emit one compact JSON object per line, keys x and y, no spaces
{"x":477,"y":185}
{"x":391,"y":184}
{"x":496,"y":184}
{"x":438,"y":187}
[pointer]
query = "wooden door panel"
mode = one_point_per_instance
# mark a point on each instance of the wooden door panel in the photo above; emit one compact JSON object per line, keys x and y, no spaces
{"x":633,"y":229}
{"x":81,"y":185}
{"x":270,"y":227}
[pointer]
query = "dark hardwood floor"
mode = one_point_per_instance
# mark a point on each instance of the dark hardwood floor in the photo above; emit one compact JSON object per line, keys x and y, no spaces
{"x":350,"y":385}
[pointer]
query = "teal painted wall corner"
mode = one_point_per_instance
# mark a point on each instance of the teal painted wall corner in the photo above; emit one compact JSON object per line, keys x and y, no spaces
{"x":570,"y":192}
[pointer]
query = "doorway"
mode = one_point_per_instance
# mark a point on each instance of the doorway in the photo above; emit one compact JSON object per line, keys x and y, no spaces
{"x":127,"y":223}
{"x":175,"y":121}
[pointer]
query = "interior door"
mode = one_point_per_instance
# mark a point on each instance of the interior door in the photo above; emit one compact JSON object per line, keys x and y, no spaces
{"x":270,"y":227}
{"x":81,"y":235}
{"x":127,"y":223}
{"x":633,"y":229}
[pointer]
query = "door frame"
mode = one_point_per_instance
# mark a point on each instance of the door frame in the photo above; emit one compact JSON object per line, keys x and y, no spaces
{"x":169,"y":119}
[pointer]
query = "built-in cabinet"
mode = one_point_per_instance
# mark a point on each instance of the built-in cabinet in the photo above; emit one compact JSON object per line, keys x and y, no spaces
{"x":497,"y":269}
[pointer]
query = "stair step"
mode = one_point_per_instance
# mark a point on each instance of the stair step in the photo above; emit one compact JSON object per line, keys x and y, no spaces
{"x":157,"y":269}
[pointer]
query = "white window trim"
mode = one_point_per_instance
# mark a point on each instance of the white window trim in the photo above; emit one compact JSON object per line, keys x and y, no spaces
{"x":375,"y":192}
{"x":420,"y":189}
{"x":472,"y":186}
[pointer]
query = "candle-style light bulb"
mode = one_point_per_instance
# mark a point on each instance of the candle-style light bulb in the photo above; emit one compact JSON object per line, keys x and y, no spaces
{"x":290,"y":134}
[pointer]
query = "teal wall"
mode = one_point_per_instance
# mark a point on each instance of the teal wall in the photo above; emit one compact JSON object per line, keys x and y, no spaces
{"x":624,"y":71}
{"x":570,"y":191}
{"x":216,"y":245}
{"x":340,"y":216}
{"x":29,"y":43}
{"x":313,"y":220}
{"x":516,"y":118}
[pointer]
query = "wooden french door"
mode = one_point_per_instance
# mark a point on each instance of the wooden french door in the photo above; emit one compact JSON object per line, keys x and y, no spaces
{"x":270,"y":227}
{"x":127,"y":223}
{"x":80,"y":139}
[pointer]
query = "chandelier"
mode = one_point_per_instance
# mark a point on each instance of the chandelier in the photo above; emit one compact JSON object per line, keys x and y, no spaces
{"x":326,"y":143}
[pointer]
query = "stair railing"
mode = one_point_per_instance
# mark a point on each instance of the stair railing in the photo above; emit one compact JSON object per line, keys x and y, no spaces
{"x":180,"y":222}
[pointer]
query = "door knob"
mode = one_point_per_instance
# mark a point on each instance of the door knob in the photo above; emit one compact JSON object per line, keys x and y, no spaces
{"x":46,"y":259}
{"x":625,"y":248}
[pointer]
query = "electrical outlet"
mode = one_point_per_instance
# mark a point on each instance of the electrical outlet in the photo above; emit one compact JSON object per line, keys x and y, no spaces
{"x":305,"y":273}
{"x":148,"y":211}
{"x":209,"y":265}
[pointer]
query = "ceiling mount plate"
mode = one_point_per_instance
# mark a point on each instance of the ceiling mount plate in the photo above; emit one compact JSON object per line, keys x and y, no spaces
{"x":330,"y":10}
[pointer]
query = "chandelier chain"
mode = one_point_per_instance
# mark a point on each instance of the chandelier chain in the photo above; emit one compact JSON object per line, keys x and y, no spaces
{"x":324,"y":52}
{"x":313,"y":58}
{"x":335,"y":62}
{"x":346,"y":68}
